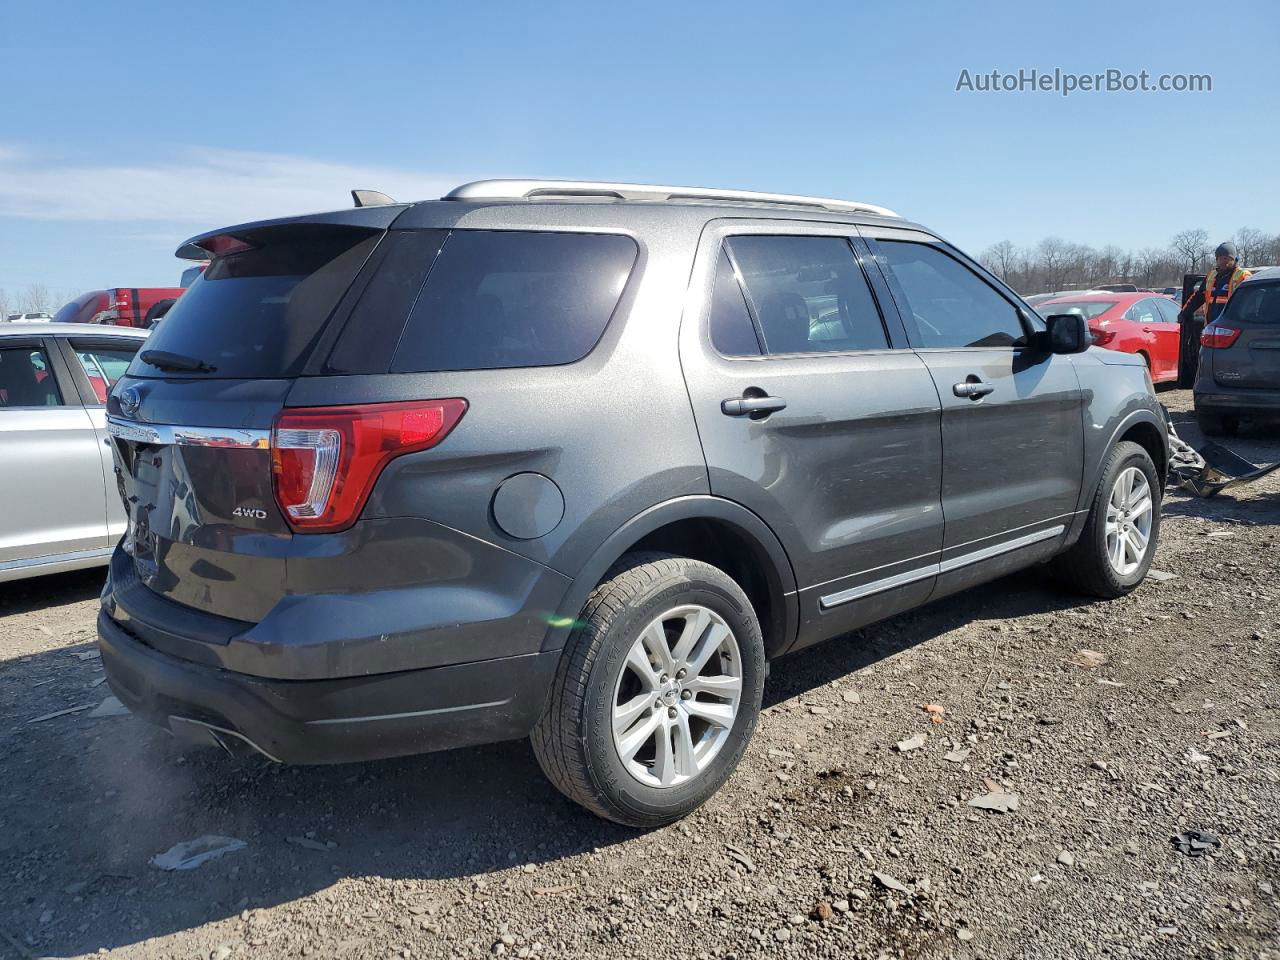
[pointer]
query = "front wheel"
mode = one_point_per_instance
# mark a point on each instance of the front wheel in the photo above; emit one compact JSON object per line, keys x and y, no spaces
{"x":657,"y":692}
{"x":1115,"y":549}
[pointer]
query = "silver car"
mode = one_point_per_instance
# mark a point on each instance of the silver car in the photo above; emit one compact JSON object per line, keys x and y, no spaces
{"x":60,"y":509}
{"x":1239,"y":375}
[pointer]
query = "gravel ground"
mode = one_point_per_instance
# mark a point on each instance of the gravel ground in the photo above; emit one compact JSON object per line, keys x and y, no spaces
{"x":834,"y":839}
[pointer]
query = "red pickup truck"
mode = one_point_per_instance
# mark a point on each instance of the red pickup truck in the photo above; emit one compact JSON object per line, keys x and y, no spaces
{"x":118,"y":306}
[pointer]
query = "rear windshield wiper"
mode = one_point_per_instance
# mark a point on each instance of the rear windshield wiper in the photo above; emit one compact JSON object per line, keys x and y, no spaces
{"x":175,"y":361}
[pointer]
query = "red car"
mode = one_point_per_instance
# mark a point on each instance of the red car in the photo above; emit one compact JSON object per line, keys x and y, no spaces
{"x":118,"y":306}
{"x":1141,"y":323}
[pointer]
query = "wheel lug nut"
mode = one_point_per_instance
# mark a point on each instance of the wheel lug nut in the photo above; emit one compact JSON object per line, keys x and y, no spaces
{"x":672,"y":713}
{"x":686,"y":694}
{"x":665,"y":678}
{"x":680,"y":675}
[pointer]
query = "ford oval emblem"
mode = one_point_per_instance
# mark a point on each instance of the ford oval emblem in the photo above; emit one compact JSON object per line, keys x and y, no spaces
{"x":130,"y":401}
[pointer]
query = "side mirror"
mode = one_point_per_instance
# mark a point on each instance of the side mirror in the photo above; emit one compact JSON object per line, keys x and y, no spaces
{"x":1067,"y":333}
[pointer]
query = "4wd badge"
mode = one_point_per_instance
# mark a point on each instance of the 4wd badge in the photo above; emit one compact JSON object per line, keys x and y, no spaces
{"x":251,"y":513}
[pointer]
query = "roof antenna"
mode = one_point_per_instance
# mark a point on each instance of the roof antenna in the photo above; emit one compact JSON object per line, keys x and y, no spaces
{"x":370,"y":198}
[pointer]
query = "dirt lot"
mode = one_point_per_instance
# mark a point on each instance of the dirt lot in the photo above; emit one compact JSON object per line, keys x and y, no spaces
{"x":472,"y":853}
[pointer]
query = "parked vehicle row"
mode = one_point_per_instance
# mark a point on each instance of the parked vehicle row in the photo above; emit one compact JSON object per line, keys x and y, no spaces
{"x":576,"y":461}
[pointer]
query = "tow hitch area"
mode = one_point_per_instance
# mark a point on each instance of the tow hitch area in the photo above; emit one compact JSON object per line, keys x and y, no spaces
{"x":1208,"y":468}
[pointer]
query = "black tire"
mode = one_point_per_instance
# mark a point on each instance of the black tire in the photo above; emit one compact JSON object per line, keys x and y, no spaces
{"x":573,"y":739}
{"x":1085,"y":567}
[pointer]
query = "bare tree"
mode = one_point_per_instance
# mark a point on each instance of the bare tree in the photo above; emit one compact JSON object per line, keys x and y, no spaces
{"x":1000,"y":258}
{"x":1251,"y":244}
{"x":1193,"y":247}
{"x":4,"y":304}
{"x":35,"y":299}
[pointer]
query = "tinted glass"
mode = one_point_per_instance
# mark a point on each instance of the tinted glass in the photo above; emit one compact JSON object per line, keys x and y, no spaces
{"x":732,"y":332}
{"x":104,"y":366}
{"x":1089,"y":309}
{"x":26,"y":379}
{"x":384,"y":294}
{"x":809,"y":294}
{"x":948,"y":305}
{"x":514,"y":299}
{"x":1254,"y":303}
{"x":258,"y":313}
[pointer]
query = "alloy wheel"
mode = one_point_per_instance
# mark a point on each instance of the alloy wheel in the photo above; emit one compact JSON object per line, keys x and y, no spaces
{"x":677,"y":696}
{"x":1130,"y":513}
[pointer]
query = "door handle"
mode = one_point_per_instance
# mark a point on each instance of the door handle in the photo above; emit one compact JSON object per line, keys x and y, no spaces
{"x":746,"y":406}
{"x":973,"y":389}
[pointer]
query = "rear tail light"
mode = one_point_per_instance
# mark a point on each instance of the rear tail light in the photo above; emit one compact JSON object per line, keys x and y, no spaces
{"x":1101,"y":337}
{"x":325,"y":460}
{"x":1217,"y":337}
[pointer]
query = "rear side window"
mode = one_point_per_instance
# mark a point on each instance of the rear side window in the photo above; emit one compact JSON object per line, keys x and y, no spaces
{"x":948,"y":305}
{"x":809,"y":294}
{"x":1254,"y":303}
{"x":26,"y":379}
{"x":496,"y":299}
{"x":258,"y":312}
{"x":1089,"y":309}
{"x":732,"y":332}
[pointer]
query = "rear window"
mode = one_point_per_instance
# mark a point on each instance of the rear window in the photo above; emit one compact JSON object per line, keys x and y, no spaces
{"x":496,"y":299}
{"x":1089,"y":309}
{"x":258,"y":313}
{"x":1254,"y":303}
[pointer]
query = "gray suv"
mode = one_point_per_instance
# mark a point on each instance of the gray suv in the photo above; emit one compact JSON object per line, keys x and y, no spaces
{"x":1239,"y":373}
{"x":576,"y":461}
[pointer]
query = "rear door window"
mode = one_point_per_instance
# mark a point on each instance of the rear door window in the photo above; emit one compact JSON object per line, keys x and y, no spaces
{"x":495,"y":299}
{"x":26,"y":379}
{"x":258,"y":312}
{"x":948,"y":305}
{"x":1144,"y":312}
{"x":1166,"y":309}
{"x":809,"y":294}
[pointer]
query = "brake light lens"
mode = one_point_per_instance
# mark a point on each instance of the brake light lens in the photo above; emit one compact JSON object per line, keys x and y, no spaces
{"x":1101,"y":337}
{"x":325,"y":460}
{"x":1217,"y":337}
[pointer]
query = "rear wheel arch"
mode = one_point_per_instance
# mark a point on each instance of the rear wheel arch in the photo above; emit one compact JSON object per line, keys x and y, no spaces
{"x":715,"y":531}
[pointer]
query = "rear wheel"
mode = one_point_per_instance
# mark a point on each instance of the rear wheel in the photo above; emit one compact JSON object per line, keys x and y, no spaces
{"x":1115,"y":549}
{"x":657,"y":692}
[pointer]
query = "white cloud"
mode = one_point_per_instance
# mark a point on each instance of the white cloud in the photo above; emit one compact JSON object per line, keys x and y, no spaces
{"x":198,"y":185}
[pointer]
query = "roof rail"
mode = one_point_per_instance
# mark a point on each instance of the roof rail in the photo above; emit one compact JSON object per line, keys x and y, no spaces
{"x":532,"y":189}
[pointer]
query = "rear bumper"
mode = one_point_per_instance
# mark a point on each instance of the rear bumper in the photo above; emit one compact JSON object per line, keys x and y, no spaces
{"x":329,"y":721}
{"x":1264,"y":403}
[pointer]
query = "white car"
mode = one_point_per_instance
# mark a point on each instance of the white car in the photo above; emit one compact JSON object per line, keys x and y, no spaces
{"x":61,"y":509}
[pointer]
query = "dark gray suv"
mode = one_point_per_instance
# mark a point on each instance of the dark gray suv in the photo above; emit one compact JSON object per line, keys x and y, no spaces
{"x":1239,"y":373}
{"x":575,"y":461}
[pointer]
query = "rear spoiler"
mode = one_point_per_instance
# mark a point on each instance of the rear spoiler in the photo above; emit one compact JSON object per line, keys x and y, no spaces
{"x":225,"y":240}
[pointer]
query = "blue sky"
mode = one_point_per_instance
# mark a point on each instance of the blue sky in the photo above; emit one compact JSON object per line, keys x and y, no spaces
{"x":125,"y":128}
